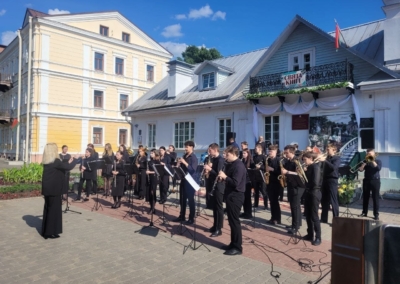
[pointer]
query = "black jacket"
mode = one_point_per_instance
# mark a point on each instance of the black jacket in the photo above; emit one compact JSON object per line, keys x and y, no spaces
{"x":314,"y":176}
{"x":331,"y":167}
{"x":54,"y":176}
{"x":236,"y":177}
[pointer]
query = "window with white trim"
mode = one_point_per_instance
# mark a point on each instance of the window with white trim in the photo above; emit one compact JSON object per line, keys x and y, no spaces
{"x":184,"y":131}
{"x":119,"y":66}
{"x":225,"y":126}
{"x":150,"y":73}
{"x":123,"y":134}
{"x":300,"y":60}
{"x":208,"y":80}
{"x":97,"y":136}
{"x":98,"y":99}
{"x":272,"y":129}
{"x":98,"y":61}
{"x":123,"y":102}
{"x":152,"y":135}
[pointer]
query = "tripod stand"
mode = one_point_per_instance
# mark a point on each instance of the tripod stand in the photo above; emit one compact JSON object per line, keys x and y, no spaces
{"x":151,"y":225}
{"x":199,"y":209}
{"x":132,"y":211}
{"x":67,"y":207}
{"x":97,"y":205}
{"x":296,"y":238}
{"x":253,"y":220}
{"x":192,"y":243}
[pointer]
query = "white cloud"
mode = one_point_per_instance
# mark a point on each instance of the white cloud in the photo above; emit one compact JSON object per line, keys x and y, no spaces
{"x":7,"y":37}
{"x":172,"y":31}
{"x":219,"y":15}
{"x":175,"y":48}
{"x":2,"y":12}
{"x":58,"y":12}
{"x":203,"y":12}
{"x":180,"y":17}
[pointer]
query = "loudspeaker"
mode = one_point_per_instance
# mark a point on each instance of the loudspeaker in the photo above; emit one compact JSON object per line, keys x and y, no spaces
{"x":389,"y":256}
{"x":371,"y":250}
{"x":230,"y":135}
{"x":367,"y":138}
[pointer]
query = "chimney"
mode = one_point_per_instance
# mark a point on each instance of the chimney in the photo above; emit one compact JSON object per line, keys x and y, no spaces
{"x":391,"y":32}
{"x":180,"y":77}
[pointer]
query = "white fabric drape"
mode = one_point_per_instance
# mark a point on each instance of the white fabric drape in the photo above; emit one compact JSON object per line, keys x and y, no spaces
{"x":301,"y":107}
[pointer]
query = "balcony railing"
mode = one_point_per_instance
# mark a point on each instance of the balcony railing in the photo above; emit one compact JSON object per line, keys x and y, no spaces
{"x":5,"y":82}
{"x":315,"y":76}
{"x":6,"y":116}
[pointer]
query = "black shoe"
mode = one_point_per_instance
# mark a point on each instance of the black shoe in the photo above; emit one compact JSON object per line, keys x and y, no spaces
{"x":292,"y":231}
{"x":77,"y":199}
{"x":216,"y":233}
{"x":307,"y":238}
{"x":376,"y":218}
{"x":86,"y":199}
{"x":162,"y":201}
{"x":316,"y":242}
{"x":152,"y":210}
{"x":114,"y":206}
{"x":325,"y":222}
{"x":179,"y":219}
{"x":255,"y":206}
{"x":141,"y":198}
{"x":225,"y":247}
{"x":211,"y":230}
{"x":266,"y":207}
{"x":189,"y":222}
{"x":118,"y":204}
{"x":233,"y":252}
{"x":288,"y":227}
{"x":56,"y":236}
{"x":241,"y":215}
{"x":248,"y":217}
{"x":363,"y":215}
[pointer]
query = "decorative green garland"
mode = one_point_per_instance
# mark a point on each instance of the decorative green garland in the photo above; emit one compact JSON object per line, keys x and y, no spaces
{"x":298,"y":91}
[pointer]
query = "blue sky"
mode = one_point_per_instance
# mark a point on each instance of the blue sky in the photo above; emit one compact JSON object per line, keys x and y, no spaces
{"x":230,"y":26}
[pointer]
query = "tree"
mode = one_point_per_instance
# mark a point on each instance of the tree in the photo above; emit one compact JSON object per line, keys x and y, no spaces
{"x":193,"y":54}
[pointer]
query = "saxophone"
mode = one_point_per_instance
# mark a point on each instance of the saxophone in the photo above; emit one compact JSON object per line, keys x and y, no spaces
{"x":267,"y":173}
{"x":282,"y":178}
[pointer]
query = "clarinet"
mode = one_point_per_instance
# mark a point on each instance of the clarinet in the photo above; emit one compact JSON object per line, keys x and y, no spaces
{"x":115,"y":176}
{"x":215,"y":183}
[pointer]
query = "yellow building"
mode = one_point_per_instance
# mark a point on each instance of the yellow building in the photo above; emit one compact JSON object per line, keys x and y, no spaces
{"x":78,"y":71}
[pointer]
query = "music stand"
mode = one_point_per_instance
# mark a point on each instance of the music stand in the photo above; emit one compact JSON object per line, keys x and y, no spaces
{"x":132,"y":211}
{"x":197,"y":176}
{"x":99,"y":164}
{"x":192,"y":243}
{"x":255,"y":175}
{"x":67,"y":205}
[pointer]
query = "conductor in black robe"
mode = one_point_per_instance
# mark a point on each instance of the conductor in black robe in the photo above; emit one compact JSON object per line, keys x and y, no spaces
{"x":119,"y":182}
{"x":53,"y":181}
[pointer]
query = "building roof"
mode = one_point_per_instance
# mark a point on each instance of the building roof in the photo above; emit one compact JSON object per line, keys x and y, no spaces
{"x":366,"y":39}
{"x":216,"y":65}
{"x":157,"y":97}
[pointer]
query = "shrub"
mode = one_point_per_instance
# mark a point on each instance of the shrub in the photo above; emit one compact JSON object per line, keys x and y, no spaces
{"x":20,"y":188}
{"x":28,"y":173}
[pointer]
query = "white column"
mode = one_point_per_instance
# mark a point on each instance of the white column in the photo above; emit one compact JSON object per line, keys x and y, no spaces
{"x":43,"y":125}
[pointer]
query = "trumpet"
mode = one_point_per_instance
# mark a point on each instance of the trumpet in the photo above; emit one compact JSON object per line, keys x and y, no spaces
{"x":368,"y":159}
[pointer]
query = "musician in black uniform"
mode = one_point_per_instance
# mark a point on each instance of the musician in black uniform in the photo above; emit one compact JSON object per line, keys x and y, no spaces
{"x":312,"y":197}
{"x":259,"y":163}
{"x":330,"y":183}
{"x":65,"y":157}
{"x":294,"y":187}
{"x":119,"y":184}
{"x":106,"y":171}
{"x":93,"y":166}
{"x":87,"y":174}
{"x":125,"y":154}
{"x":371,"y":182}
{"x":248,"y":164}
{"x":263,"y":144}
{"x":217,"y":196}
{"x":188,"y":164}
{"x":274,"y":186}
{"x":153,"y":179}
{"x":142,"y":177}
{"x":172,"y":154}
{"x":235,"y":184}
{"x":165,"y":160}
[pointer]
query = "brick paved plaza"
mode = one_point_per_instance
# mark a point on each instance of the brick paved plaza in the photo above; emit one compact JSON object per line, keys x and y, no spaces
{"x":104,"y":247}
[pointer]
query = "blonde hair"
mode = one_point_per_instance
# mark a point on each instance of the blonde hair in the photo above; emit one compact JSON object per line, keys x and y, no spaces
{"x":50,"y":153}
{"x":108,"y":150}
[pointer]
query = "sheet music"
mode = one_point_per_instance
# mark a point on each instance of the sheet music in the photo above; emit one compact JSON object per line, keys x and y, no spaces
{"x":192,"y":182}
{"x":168,"y":171}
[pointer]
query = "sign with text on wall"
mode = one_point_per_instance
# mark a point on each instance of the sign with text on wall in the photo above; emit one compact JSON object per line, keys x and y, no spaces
{"x":300,"y":122}
{"x":294,"y":79}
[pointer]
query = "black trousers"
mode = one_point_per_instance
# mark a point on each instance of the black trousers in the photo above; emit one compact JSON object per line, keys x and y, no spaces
{"x":142,"y":183}
{"x":187,"y":197}
{"x":209,"y":199}
{"x":374,"y":186}
{"x":247,"y":200}
{"x":164,"y":185}
{"x":234,"y":201}
{"x":94,"y":185}
{"x":294,"y":196}
{"x":152,"y":193}
{"x":329,"y":197}
{"x":273,"y":190}
{"x":260,"y":187}
{"x":218,"y":209}
{"x":88,"y":187}
{"x":312,"y":199}
{"x":52,"y":216}
{"x":281,"y":192}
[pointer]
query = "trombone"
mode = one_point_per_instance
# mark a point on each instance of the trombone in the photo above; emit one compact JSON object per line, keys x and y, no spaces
{"x":368,"y":159}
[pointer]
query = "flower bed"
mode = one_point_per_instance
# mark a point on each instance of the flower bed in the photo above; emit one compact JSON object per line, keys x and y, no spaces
{"x":346,"y":190}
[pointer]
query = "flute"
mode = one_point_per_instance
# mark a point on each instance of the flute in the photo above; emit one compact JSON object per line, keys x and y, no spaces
{"x":115,"y":176}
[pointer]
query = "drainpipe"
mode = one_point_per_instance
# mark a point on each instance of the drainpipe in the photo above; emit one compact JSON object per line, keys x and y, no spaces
{"x":28,"y":103}
{"x":19,"y":92}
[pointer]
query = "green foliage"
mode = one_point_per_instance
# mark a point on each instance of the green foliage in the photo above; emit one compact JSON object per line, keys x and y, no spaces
{"x":100,"y":182}
{"x":346,"y":189}
{"x":20,"y":188}
{"x":28,"y":173}
{"x":298,"y":91}
{"x":193,"y":54}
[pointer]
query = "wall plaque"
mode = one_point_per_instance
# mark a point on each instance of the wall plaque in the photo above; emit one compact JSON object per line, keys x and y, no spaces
{"x":300,"y":122}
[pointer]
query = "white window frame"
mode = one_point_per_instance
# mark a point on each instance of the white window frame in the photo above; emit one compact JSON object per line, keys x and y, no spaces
{"x":102,"y":134}
{"x":102,"y":51}
{"x":94,"y":61}
{"x":202,"y":81}
{"x":103,"y":102}
{"x":119,"y":100}
{"x":154,"y":136}
{"x":154,"y":72}
{"x":183,"y":142}
{"x":127,"y":136}
{"x":102,"y":89}
{"x":225,"y":132}
{"x":272,"y":138}
{"x":300,"y":55}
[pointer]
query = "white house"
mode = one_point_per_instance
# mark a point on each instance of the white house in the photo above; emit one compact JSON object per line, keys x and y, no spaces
{"x":301,"y":89}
